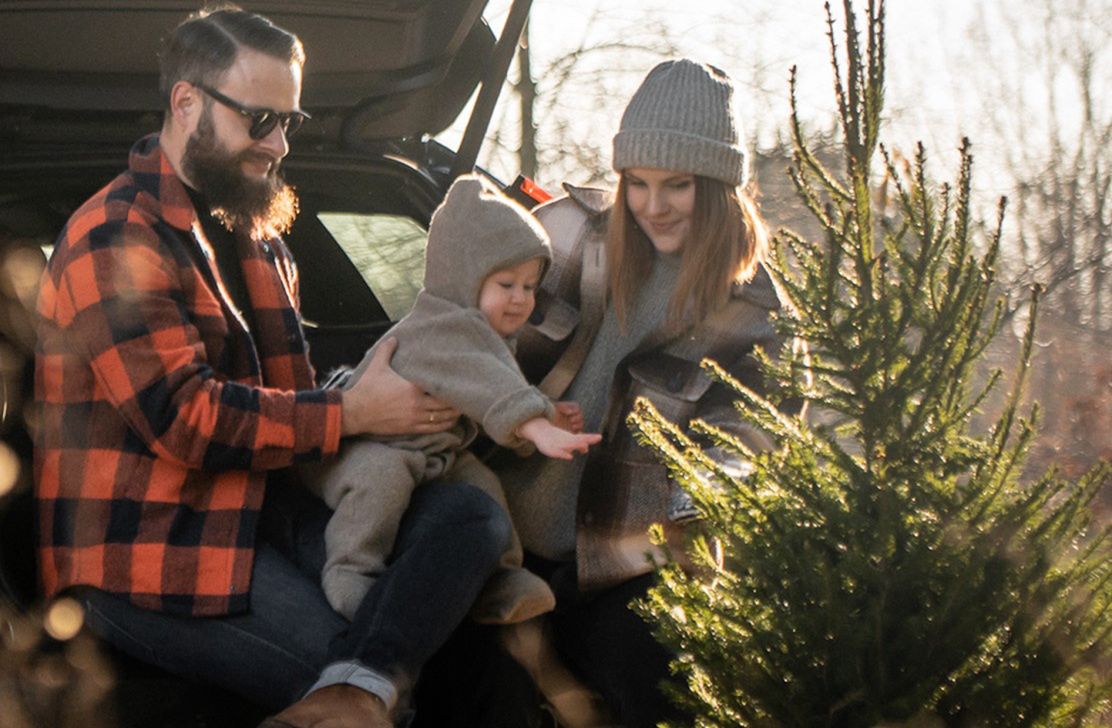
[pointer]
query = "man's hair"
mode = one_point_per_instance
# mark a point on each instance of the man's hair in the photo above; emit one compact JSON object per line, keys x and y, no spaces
{"x":204,"y":46}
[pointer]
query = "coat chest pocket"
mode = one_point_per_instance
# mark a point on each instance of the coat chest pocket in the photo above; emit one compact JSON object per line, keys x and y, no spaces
{"x":674,"y":386}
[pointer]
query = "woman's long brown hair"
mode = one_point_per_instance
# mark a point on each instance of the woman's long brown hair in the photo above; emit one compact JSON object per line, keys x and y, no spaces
{"x":728,"y":237}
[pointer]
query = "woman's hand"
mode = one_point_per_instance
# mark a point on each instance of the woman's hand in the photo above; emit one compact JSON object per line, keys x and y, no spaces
{"x":568,"y":416}
{"x":380,"y":402}
{"x":555,"y":442}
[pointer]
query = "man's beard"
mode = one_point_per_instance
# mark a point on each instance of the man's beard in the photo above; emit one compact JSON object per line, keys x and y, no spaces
{"x":262,"y":208}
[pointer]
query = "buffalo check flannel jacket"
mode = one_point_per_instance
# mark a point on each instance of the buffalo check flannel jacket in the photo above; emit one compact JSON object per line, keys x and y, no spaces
{"x":159,"y":414}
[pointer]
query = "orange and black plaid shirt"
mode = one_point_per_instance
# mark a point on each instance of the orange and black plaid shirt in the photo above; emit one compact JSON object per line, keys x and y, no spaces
{"x":159,"y":414}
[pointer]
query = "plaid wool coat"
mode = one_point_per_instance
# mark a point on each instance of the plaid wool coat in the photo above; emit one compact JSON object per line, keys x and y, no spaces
{"x":625,"y":487}
{"x":159,"y":416}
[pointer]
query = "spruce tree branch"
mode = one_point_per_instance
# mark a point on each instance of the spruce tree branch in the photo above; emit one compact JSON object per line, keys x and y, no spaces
{"x":803,"y":158}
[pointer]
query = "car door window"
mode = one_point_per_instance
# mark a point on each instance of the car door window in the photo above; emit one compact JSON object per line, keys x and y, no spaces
{"x":388,"y":250}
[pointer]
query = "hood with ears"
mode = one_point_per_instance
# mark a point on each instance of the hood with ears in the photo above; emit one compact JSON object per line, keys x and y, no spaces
{"x":476,"y":231}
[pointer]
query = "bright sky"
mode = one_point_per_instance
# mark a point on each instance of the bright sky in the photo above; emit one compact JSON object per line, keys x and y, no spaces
{"x":765,"y":36}
{"x":937,"y":80}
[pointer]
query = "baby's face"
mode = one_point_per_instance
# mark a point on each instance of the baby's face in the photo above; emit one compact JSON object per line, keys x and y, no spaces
{"x":508,"y":295}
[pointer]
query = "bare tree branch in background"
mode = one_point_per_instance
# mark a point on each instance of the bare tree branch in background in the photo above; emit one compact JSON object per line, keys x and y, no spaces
{"x":576,"y":96}
{"x":1053,"y":121}
{"x":1061,"y":170}
{"x":590,"y":82}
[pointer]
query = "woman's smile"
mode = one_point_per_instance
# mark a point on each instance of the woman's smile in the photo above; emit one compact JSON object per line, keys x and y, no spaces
{"x":662,"y":203}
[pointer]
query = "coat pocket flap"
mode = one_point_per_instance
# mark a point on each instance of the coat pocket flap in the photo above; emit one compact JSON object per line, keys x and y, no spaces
{"x":678,"y":378}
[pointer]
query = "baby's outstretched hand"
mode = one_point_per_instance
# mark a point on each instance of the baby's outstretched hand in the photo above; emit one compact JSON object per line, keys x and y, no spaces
{"x":554,"y":441}
{"x":568,"y":416}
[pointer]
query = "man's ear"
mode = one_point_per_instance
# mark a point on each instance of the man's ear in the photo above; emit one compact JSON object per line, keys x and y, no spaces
{"x":186,"y":105}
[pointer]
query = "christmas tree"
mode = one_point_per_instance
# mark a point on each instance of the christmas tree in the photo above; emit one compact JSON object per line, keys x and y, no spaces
{"x":885,"y":564}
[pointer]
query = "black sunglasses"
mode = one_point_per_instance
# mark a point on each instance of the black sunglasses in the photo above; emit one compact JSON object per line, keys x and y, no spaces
{"x":263,"y":121}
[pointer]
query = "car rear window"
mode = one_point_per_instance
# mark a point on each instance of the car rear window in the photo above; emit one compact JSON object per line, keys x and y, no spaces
{"x":388,"y":250}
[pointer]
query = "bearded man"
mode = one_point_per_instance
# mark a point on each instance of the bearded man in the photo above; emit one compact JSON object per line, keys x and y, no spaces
{"x":174,"y":388}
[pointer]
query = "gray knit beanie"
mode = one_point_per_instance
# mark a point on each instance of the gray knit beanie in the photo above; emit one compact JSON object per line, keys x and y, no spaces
{"x":682,"y":119}
{"x":476,"y":231}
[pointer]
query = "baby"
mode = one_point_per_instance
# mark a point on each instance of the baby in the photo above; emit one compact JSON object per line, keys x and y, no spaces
{"x":485,"y":258}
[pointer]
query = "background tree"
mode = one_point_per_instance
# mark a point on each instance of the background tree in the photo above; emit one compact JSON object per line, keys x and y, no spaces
{"x":1059,"y":176}
{"x":885,"y":563}
{"x":1029,"y":79}
{"x":547,"y":130}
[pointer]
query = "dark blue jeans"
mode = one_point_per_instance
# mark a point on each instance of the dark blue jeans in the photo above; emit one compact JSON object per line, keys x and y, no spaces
{"x":611,"y":647}
{"x":448,"y":544}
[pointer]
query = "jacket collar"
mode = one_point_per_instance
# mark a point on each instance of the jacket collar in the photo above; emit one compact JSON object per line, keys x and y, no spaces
{"x":155,"y":175}
{"x":759,"y":290}
{"x":593,"y":200}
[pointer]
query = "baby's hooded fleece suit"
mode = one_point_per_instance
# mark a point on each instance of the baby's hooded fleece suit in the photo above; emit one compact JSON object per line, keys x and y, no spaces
{"x":446,"y":347}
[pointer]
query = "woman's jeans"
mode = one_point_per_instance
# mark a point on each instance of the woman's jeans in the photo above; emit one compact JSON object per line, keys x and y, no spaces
{"x":448,"y":544}
{"x":611,"y":647}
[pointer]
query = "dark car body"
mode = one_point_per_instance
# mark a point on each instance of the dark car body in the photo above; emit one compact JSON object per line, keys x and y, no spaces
{"x":78,"y":85}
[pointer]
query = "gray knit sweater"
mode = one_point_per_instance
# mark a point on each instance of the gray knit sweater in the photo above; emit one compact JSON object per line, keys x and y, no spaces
{"x":542,"y":492}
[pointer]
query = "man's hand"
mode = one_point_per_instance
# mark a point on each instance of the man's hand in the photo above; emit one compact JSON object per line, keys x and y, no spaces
{"x":379,"y":402}
{"x":554,"y":442}
{"x":568,"y":416}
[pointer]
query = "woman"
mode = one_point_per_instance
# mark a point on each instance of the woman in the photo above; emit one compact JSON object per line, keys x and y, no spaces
{"x":670,"y":275}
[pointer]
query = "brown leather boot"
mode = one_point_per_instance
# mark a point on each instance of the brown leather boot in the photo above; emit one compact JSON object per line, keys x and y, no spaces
{"x":572,"y":703}
{"x":336,"y":706}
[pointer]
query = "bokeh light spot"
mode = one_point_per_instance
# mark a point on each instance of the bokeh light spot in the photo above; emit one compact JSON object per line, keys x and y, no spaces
{"x":9,"y":469}
{"x":64,"y":619}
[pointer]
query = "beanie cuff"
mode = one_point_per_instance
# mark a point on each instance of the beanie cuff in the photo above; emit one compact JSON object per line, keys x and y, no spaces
{"x":673,"y":150}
